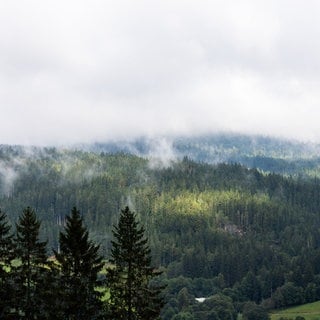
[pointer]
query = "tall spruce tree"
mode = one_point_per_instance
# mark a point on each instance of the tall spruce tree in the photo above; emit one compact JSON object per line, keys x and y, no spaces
{"x":80,"y":264}
{"x":30,"y":275}
{"x":129,"y":278}
{"x":6,"y":277}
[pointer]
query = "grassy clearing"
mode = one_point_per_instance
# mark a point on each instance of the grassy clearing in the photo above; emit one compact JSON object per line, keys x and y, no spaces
{"x":310,"y":311}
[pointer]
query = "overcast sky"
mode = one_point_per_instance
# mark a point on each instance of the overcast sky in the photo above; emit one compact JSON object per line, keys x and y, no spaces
{"x":82,"y":71}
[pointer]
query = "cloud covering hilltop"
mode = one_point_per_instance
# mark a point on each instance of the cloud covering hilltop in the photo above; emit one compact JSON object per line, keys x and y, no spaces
{"x":82,"y":71}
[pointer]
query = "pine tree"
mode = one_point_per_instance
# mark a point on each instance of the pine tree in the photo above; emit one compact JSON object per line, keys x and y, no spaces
{"x":80,"y":264}
{"x":6,"y":255}
{"x":30,"y":275}
{"x":129,"y":278}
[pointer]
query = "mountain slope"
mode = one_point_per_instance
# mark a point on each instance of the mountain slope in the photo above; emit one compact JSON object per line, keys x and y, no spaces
{"x":265,"y":153}
{"x":253,"y":233}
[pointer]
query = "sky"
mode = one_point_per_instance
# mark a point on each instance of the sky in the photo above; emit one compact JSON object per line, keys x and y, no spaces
{"x":98,"y":70}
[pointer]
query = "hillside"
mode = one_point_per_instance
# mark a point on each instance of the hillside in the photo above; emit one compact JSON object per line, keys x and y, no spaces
{"x":310,"y":311}
{"x":265,"y":153}
{"x":213,"y":228}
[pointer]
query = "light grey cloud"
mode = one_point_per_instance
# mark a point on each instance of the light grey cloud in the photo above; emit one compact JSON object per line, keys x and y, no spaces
{"x":81,"y":71}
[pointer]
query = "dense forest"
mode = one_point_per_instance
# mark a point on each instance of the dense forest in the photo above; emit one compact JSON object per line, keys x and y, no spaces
{"x":243,"y":238}
{"x":76,"y":283}
{"x":286,"y":157}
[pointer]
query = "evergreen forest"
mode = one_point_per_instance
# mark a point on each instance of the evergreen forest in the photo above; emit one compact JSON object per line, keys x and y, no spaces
{"x":227,"y":238}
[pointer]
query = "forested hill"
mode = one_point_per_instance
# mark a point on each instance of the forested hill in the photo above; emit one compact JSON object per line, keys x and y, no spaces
{"x":266,"y":153}
{"x":251,"y":232}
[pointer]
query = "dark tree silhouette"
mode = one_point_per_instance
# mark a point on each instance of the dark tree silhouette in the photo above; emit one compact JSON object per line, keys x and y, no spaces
{"x":6,"y":255}
{"x":80,"y":264}
{"x":30,"y":274}
{"x":130,"y":274}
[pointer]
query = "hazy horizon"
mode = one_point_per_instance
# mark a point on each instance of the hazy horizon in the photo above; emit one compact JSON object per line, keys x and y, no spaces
{"x":94,"y":71}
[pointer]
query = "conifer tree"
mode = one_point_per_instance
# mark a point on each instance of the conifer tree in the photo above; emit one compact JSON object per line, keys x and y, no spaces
{"x":30,"y":275}
{"x":80,"y":264}
{"x":6,"y":255}
{"x":131,"y":295}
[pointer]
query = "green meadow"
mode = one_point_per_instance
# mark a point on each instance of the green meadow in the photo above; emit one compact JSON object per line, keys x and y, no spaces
{"x":310,"y":311}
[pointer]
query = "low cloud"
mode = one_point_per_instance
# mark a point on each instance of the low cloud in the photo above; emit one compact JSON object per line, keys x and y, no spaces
{"x":8,"y":176}
{"x":161,"y":154}
{"x":86,"y":71}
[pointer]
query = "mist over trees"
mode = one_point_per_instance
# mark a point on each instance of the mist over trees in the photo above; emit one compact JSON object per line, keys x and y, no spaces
{"x":223,"y":229}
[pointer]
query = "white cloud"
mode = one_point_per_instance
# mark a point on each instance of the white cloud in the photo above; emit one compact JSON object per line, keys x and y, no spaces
{"x":79,"y":71}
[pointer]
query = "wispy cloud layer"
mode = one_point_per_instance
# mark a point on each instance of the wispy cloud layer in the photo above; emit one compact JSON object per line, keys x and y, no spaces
{"x":81,"y":71}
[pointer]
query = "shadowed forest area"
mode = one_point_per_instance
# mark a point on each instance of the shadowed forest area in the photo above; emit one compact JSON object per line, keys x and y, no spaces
{"x":219,"y":231}
{"x":76,"y":283}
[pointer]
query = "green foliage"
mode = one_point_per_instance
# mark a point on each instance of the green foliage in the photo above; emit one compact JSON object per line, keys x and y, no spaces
{"x":183,"y":316}
{"x":6,"y":254}
{"x":33,"y":287}
{"x":212,"y":228}
{"x":216,"y":307}
{"x":250,"y":287}
{"x":288,"y":295}
{"x":79,"y":263}
{"x":252,"y":311}
{"x":222,"y":306}
{"x":30,"y":274}
{"x":131,"y":296}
